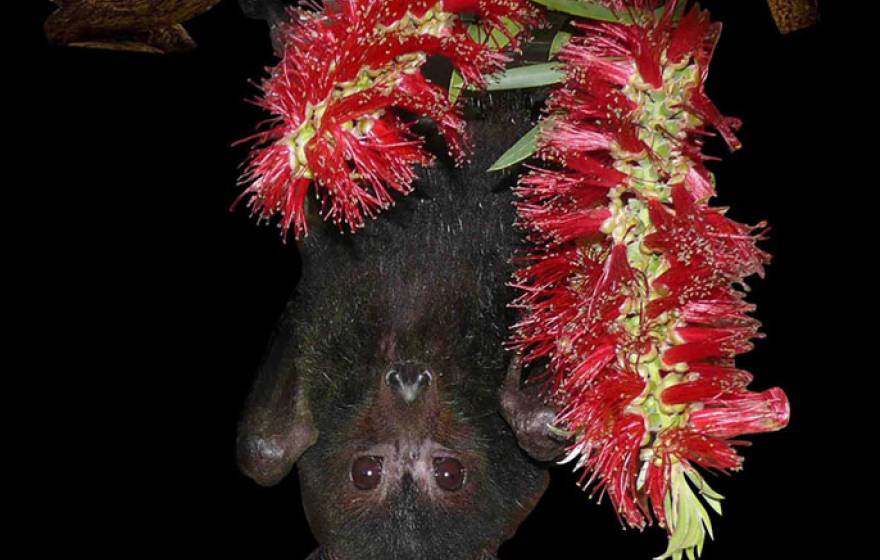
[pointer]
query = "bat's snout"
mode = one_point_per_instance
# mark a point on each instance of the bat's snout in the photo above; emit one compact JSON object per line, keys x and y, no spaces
{"x":409,"y":380}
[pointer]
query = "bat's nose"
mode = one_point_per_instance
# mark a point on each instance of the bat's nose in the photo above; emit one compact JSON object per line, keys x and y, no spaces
{"x":408,"y":380}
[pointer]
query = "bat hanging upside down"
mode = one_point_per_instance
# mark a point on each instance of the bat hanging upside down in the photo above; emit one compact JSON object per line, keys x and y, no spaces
{"x":388,"y":383}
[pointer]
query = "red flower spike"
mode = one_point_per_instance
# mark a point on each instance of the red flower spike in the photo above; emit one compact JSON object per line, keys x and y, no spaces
{"x":344,"y":71}
{"x":630,"y":290}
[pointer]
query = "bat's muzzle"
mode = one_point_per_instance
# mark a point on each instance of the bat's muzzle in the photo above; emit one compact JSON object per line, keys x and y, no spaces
{"x":409,"y":381}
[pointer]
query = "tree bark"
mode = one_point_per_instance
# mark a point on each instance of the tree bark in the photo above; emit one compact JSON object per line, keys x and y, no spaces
{"x":139,"y":25}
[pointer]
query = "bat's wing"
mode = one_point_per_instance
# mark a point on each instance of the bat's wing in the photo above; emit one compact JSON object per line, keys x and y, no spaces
{"x":132,"y":25}
{"x":528,"y":416}
{"x":276,"y":426}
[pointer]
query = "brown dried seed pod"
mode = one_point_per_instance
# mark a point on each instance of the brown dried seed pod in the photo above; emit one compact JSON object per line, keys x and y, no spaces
{"x":791,"y":15}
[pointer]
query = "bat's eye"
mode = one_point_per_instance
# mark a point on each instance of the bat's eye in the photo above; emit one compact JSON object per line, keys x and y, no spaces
{"x":366,"y":472}
{"x":449,"y":473}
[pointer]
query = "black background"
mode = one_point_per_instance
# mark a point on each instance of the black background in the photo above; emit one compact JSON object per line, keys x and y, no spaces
{"x":155,"y":302}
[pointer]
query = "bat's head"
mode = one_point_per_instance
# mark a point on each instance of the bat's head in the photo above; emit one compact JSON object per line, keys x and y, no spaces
{"x":414,"y":459}
{"x":391,"y":384}
{"x":415,"y":468}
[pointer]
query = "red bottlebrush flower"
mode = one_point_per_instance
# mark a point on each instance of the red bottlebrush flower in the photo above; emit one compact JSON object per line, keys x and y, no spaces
{"x":343,"y":73}
{"x":630,"y":289}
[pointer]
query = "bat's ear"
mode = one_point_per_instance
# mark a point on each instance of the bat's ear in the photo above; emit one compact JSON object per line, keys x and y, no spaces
{"x":528,"y":416}
{"x":277,"y":425}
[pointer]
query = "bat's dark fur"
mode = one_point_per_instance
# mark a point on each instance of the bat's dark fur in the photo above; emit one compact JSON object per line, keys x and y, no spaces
{"x":424,"y":286}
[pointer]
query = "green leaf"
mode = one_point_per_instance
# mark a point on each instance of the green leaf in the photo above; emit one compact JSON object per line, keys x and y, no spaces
{"x":522,"y":150}
{"x":559,"y":41}
{"x":580,"y":9}
{"x":513,"y":29}
{"x":456,"y":85}
{"x":534,"y":75}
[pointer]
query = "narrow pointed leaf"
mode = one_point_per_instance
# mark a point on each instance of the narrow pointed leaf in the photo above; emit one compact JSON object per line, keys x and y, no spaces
{"x":522,"y":150}
{"x":535,"y":75}
{"x":580,"y":9}
{"x":456,"y":85}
